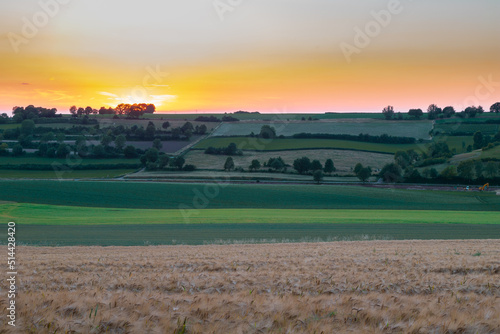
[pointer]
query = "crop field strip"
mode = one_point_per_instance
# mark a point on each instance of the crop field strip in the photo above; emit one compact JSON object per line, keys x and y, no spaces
{"x":150,"y":195}
{"x":344,"y":160}
{"x":283,"y":144}
{"x":486,"y":129}
{"x":416,"y":129}
{"x":66,"y":174}
{"x":363,"y":287}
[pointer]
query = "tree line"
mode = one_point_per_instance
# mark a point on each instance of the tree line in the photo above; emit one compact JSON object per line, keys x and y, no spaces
{"x":135,"y":110}
{"x":435,"y":112}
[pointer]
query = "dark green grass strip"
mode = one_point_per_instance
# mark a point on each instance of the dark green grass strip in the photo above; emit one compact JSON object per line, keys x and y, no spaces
{"x":140,"y":235}
{"x":209,"y":196}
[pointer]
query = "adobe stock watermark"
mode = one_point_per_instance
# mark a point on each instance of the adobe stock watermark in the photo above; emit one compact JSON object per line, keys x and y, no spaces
{"x":225,"y":6}
{"x":203,"y":196}
{"x":372,"y":29}
{"x":40,"y":19}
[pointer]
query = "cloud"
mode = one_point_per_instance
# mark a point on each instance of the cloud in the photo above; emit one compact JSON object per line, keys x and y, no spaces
{"x":24,"y":83}
{"x":108,"y":94}
{"x":55,"y":95}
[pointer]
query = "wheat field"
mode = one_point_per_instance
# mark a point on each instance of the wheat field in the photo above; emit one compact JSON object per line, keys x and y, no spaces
{"x":339,"y":287}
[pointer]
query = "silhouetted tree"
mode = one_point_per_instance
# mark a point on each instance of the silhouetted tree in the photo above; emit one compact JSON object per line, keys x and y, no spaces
{"x":388,"y":112}
{"x":495,"y":107}
{"x":329,"y":167}
{"x":229,"y":164}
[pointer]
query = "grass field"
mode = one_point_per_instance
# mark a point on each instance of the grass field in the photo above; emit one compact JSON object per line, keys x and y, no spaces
{"x":38,"y":214}
{"x":344,"y":160}
{"x":415,"y":129}
{"x":239,"y":233}
{"x":492,"y":153}
{"x":9,"y":126}
{"x":149,"y":195}
{"x":49,"y":161}
{"x":455,"y":142}
{"x":70,"y":174}
{"x":257,"y":144}
{"x":341,"y":287}
{"x":486,"y":129}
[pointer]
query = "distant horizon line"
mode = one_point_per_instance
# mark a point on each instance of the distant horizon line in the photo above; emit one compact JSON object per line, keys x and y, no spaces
{"x":249,"y":112}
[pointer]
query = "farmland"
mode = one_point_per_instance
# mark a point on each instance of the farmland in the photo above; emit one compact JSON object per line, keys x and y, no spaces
{"x":449,"y":128}
{"x":415,"y":129}
{"x":23,"y":160}
{"x":344,"y":159}
{"x":71,"y":225}
{"x":67,"y":174}
{"x":364,"y":287}
{"x":151,"y":195}
{"x":279,"y":144}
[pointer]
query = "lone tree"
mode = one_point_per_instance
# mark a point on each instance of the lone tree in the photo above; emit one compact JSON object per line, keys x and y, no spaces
{"x":363,"y":173}
{"x":329,"y":167}
{"x":254,"y":165}
{"x":415,"y":113}
{"x":388,"y":112}
{"x":495,"y":107}
{"x":229,"y":164}
{"x":318,"y":175}
{"x":267,"y":132}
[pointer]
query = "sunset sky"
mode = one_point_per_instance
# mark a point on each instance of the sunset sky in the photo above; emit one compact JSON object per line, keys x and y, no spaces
{"x":264,"y":55}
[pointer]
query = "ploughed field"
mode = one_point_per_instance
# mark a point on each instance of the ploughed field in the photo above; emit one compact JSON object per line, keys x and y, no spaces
{"x":362,"y":287}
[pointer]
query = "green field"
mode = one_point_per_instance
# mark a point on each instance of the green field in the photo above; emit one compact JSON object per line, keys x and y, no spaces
{"x":62,"y":225}
{"x":30,"y":159}
{"x":455,"y":142}
{"x":134,"y":213}
{"x":9,"y":126}
{"x":188,"y":234}
{"x":149,"y":195}
{"x":70,"y":174}
{"x":257,"y":144}
{"x":448,"y":128}
{"x":491,"y":153}
{"x":69,"y":215}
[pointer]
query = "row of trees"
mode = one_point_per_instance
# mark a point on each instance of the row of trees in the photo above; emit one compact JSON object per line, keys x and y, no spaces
{"x":302,"y":166}
{"x":382,"y":139}
{"x":467,"y":171}
{"x":20,"y":114}
{"x":230,"y":149}
{"x":130,"y":110}
{"x":225,"y":118}
{"x":434,"y":112}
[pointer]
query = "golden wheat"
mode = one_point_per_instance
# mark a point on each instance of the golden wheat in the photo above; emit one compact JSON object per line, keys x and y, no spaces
{"x":372,"y":287}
